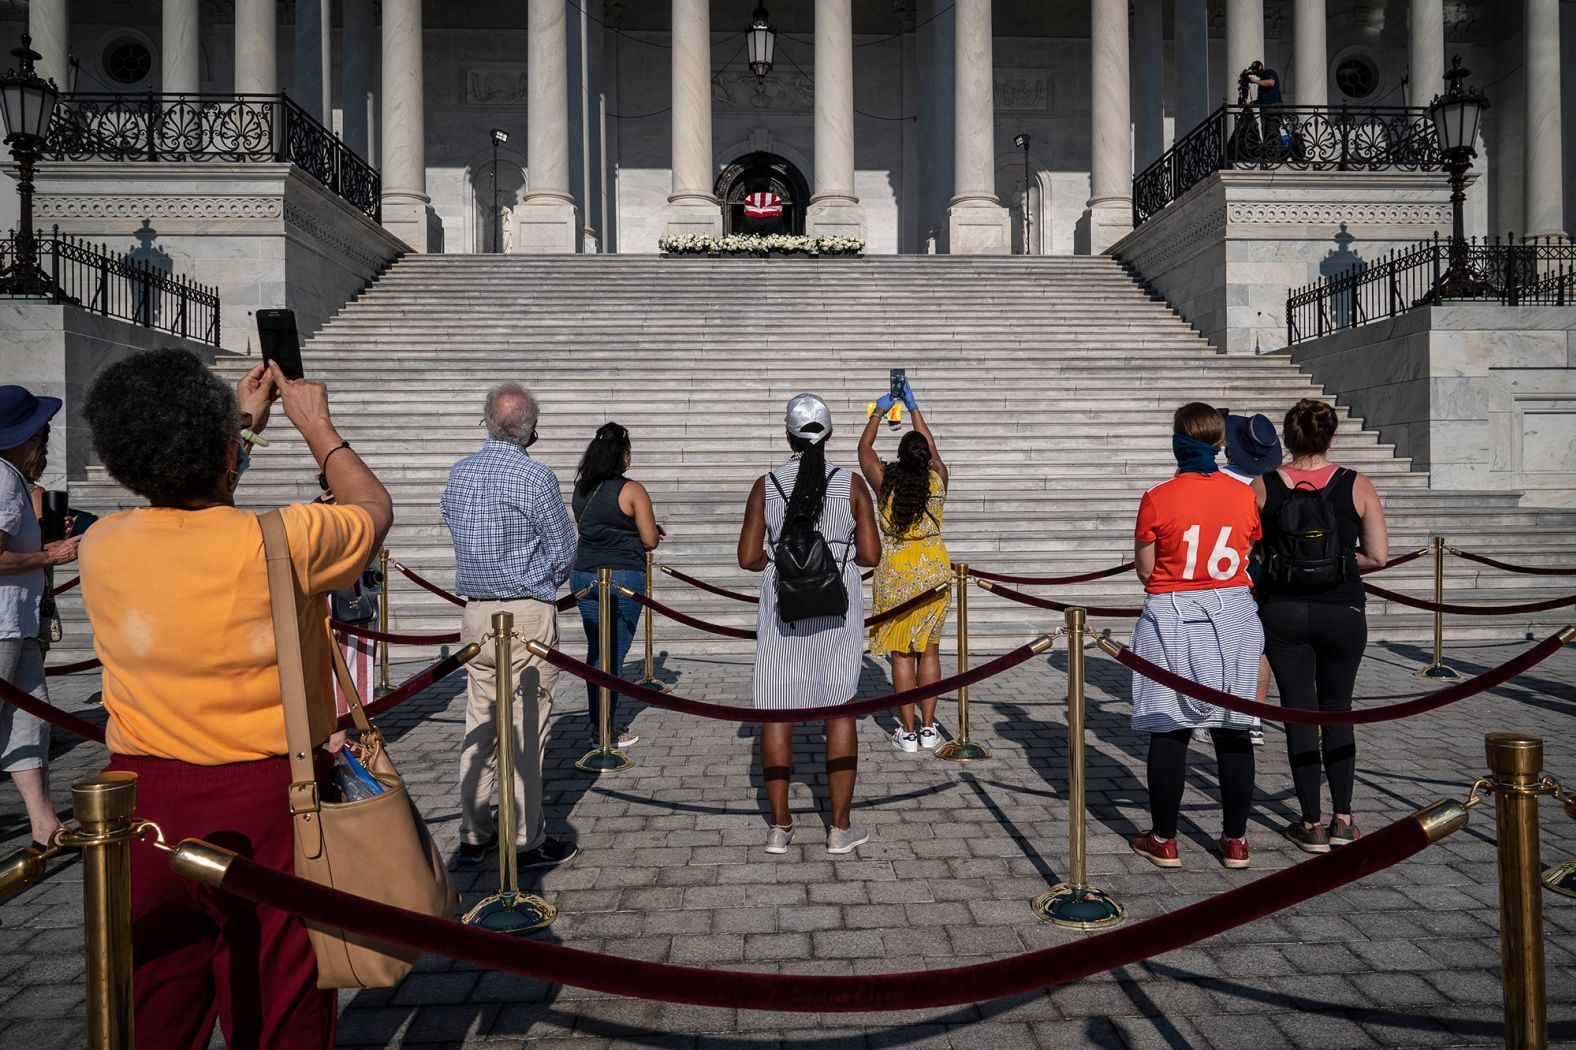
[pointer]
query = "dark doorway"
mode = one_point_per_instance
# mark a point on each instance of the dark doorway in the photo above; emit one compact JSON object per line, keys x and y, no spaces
{"x":756,"y":173}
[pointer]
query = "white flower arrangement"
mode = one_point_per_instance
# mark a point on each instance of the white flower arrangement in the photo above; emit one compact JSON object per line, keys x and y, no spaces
{"x":758,"y":244}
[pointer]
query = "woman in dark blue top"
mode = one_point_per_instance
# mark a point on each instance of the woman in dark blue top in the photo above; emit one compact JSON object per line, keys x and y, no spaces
{"x":616,"y":528}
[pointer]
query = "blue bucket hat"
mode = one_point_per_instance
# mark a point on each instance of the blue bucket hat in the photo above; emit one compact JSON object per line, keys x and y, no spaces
{"x":1252,"y":446}
{"x":22,"y":415}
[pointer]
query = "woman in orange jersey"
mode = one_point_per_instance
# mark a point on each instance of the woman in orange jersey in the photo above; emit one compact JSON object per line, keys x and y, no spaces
{"x":1200,"y":621}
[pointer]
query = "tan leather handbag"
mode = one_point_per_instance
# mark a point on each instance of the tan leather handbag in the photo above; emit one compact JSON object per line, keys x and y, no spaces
{"x":376,"y":847}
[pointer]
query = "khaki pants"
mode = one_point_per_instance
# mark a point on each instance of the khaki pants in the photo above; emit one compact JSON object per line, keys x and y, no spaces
{"x":534,"y":681}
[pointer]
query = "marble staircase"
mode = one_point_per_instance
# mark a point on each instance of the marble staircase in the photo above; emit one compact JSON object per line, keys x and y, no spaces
{"x":1050,"y":383}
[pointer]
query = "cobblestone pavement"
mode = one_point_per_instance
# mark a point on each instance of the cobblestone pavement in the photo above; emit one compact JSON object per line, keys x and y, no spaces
{"x":672,"y":870}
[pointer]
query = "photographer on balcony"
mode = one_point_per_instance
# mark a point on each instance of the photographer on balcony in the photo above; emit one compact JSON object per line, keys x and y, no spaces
{"x":1269,"y":102}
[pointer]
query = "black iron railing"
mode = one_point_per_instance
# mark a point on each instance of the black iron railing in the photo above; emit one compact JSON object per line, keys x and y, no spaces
{"x":208,"y":127}
{"x":1300,"y":138}
{"x":114,"y":285}
{"x":1537,"y":271}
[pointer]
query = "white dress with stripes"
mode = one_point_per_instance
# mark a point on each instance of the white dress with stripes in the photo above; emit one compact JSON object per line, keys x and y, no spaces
{"x":812,"y":663}
{"x":1211,"y":636}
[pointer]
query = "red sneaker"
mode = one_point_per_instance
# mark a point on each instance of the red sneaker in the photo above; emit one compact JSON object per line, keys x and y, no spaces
{"x":1160,"y":854}
{"x":1234,"y":852}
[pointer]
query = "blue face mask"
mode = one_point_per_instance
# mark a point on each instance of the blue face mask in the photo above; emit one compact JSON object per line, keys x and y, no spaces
{"x":1193,"y":456}
{"x":243,"y":460}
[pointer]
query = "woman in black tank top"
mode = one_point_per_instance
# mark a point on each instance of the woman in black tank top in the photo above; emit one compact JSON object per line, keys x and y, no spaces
{"x":617,"y":526}
{"x":1315,"y":629}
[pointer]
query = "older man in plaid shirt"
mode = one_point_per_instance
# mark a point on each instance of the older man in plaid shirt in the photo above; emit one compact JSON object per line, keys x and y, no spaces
{"x":513,"y":548}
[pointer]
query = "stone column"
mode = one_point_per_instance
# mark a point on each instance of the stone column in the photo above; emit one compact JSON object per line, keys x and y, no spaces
{"x":692,"y":207}
{"x":49,"y":24}
{"x":405,"y":200}
{"x":977,"y":224}
{"x":1110,"y":213}
{"x":1425,"y":24}
{"x":357,"y":43}
{"x":546,"y":221}
{"x":181,"y":73}
{"x":1190,"y":45}
{"x":1310,"y":67}
{"x":1149,"y":125}
{"x":1545,"y":179}
{"x":1244,"y":41}
{"x":256,"y":48}
{"x":313,"y":36}
{"x":834,"y":209}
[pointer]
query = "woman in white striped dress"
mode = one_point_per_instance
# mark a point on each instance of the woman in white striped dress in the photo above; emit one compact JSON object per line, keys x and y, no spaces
{"x":811,"y":662}
{"x":1201,"y":622}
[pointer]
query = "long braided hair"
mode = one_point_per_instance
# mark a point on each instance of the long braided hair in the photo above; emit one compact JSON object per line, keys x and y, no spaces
{"x":906,"y":482}
{"x":809,"y":487}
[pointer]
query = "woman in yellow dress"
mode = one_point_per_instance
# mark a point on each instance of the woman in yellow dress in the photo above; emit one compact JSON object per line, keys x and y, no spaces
{"x":911,"y":496}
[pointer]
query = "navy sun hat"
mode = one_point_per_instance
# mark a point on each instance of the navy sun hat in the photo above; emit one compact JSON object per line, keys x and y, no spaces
{"x":22,"y":415}
{"x":1252,"y":446}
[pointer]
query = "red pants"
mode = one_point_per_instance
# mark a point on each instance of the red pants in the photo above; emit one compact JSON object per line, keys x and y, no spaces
{"x":201,"y":955}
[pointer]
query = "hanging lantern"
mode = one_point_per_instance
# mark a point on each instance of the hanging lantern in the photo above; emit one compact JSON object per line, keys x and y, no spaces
{"x":762,"y":40}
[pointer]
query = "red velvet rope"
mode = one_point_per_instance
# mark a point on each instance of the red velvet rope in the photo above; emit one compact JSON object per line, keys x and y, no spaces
{"x":729,"y":713}
{"x":687,"y":620}
{"x":684,"y":577}
{"x":49,"y":712}
{"x":64,"y":587}
{"x":1391,"y":711}
{"x":1393,"y":562}
{"x":427,"y":584}
{"x":1051,"y":603}
{"x":919,"y":989}
{"x":564,"y":604}
{"x":408,"y":688}
{"x":922,"y":598}
{"x":394,"y":639}
{"x":1530,"y":570}
{"x":1050,"y":581}
{"x":1471,"y":610}
{"x":63,"y":669}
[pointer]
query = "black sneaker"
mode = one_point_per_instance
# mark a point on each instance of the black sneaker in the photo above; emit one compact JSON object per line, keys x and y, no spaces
{"x":550,"y":854}
{"x":470,"y":855}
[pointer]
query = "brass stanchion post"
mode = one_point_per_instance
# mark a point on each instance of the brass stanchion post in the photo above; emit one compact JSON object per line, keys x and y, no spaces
{"x":508,"y":910}
{"x":1075,"y":903}
{"x":1439,"y":669}
{"x":650,"y":678}
{"x":103,"y":804}
{"x":961,"y":748}
{"x":384,"y":685}
{"x":1515,"y":761}
{"x":605,"y":758}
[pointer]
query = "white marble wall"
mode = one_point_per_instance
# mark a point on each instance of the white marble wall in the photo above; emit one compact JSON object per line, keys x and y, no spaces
{"x":1480,"y":396}
{"x":264,"y":234}
{"x":56,"y":351}
{"x":1227,"y":252}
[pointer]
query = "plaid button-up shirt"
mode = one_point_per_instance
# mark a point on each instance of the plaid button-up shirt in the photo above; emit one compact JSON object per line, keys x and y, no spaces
{"x":512,"y":533}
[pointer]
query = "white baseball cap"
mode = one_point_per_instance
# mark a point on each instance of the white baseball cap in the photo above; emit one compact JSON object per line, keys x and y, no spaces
{"x":809,"y":418}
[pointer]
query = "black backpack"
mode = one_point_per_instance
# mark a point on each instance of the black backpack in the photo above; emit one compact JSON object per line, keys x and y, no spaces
{"x":809,"y":580}
{"x":1304,"y":549}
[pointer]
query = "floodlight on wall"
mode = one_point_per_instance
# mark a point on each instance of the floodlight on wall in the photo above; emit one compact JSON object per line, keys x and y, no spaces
{"x":499,"y":136}
{"x":27,"y":104}
{"x":762,"y":42}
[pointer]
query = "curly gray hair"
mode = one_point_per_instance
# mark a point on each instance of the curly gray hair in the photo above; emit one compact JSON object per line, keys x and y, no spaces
{"x":511,"y":413}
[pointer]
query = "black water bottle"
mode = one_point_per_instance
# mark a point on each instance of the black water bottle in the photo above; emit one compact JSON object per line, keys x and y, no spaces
{"x":57,"y":505}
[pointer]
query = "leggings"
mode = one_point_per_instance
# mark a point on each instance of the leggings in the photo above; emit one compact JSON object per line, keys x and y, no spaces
{"x":1168,"y":770}
{"x":1314,"y":649}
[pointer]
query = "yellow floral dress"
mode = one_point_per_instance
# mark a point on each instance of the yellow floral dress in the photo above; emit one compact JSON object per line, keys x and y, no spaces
{"x":910,"y":564}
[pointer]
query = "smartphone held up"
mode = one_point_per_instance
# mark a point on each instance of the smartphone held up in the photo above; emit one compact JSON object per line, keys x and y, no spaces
{"x":280,"y":342}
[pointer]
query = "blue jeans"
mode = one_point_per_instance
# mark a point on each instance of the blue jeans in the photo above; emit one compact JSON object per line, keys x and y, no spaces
{"x":626,"y":617}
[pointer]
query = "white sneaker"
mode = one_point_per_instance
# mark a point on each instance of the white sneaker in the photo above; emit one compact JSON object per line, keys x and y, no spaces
{"x":929,"y":737}
{"x":846,"y":840}
{"x":908,"y":742}
{"x":626,"y":736}
{"x":777,"y":839}
{"x":1257,"y":736}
